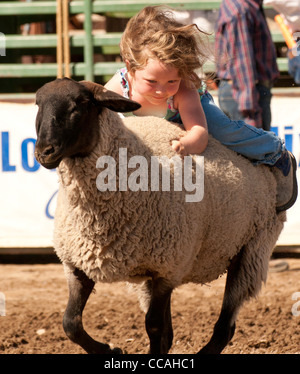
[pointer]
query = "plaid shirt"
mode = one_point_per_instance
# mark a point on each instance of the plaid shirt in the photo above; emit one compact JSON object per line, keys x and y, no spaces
{"x":245,"y":51}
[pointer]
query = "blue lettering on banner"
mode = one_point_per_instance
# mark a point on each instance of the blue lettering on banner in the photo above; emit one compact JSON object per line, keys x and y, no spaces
{"x":288,"y":137}
{"x":29,"y":162}
{"x":24,"y":148}
{"x":47,"y":211}
{"x":6,"y":166}
{"x":291,"y":137}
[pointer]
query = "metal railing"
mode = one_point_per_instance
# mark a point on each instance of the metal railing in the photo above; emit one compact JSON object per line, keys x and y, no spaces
{"x":88,"y":40}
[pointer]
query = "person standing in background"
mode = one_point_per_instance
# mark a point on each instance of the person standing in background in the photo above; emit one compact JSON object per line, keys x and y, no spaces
{"x":290,"y":12}
{"x":246,"y":62}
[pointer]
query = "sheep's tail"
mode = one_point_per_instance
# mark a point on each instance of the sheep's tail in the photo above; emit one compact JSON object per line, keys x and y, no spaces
{"x":144,"y":291}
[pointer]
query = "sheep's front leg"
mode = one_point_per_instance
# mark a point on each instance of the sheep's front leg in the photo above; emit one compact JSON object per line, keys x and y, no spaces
{"x":158,"y":317}
{"x":80,"y":288}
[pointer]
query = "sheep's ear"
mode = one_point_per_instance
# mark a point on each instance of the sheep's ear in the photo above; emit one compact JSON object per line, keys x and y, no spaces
{"x":110,"y":99}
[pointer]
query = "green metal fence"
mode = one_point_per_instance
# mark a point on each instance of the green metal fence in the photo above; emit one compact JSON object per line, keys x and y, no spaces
{"x":15,"y":13}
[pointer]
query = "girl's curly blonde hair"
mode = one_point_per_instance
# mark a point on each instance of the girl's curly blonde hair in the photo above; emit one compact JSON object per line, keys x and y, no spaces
{"x":154,"y":33}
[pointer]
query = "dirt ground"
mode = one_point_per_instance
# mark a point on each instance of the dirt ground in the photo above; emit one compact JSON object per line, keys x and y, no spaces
{"x":36,"y":296}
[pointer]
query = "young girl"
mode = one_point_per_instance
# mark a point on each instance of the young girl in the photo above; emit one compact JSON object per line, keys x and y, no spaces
{"x":161,"y":57}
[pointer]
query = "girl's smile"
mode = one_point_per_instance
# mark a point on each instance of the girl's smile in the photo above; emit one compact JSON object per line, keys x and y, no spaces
{"x":154,"y":84}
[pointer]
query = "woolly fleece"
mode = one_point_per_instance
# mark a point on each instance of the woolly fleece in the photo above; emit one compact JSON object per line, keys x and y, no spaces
{"x":129,"y":236}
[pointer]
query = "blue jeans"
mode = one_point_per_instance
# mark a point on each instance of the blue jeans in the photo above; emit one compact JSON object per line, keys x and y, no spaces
{"x":230,"y":106}
{"x":261,"y":147}
{"x":294,"y":68}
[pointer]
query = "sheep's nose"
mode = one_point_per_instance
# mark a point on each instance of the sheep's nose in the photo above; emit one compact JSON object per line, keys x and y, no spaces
{"x":48,"y":150}
{"x":41,"y":154}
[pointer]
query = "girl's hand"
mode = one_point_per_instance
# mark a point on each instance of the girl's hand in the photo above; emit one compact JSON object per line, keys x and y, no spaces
{"x":179,"y":148}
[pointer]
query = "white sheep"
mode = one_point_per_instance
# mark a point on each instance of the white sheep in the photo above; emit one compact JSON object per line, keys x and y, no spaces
{"x":155,"y":239}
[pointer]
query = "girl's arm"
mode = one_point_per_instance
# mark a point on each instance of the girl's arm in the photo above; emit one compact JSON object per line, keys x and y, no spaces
{"x":114,"y":84}
{"x":187,"y":100}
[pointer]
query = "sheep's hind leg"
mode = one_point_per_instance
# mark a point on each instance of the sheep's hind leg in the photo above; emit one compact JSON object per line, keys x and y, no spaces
{"x":80,"y":288}
{"x":234,"y":296}
{"x":158,"y":317}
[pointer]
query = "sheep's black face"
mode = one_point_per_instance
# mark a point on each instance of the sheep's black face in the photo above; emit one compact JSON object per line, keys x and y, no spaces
{"x":64,"y":122}
{"x":67,"y":120}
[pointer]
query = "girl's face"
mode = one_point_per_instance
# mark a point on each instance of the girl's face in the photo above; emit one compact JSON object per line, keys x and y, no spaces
{"x":155,"y":83}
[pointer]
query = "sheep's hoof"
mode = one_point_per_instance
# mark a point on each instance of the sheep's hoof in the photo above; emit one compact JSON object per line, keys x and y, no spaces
{"x":104,"y":349}
{"x":117,"y":351}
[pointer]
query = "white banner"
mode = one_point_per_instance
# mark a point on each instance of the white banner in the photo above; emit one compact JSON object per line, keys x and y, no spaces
{"x":28,"y":191}
{"x":286,"y":124}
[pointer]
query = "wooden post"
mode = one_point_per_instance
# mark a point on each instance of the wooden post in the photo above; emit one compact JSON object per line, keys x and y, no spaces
{"x":59,"y":48}
{"x":66,"y":38}
{"x":63,"y":45}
